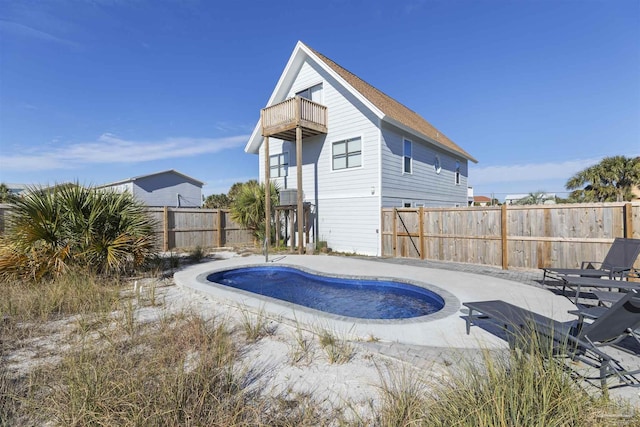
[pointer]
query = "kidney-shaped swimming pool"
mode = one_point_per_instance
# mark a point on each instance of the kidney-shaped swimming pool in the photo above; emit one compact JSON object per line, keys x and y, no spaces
{"x":359,"y":298}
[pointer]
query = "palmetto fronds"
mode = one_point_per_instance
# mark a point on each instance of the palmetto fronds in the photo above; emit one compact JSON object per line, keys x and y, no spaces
{"x":50,"y":230}
{"x":610,"y":180}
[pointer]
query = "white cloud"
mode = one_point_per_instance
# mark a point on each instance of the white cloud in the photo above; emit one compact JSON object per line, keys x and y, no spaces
{"x":21,"y":30}
{"x":109,"y":148}
{"x":529,"y":171}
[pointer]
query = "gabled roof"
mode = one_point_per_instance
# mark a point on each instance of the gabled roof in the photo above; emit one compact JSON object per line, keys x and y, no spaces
{"x":136,"y":178}
{"x":481,"y":199}
{"x":385,"y":107}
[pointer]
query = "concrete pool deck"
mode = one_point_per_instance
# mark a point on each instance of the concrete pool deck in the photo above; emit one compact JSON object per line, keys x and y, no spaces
{"x":443,"y":329}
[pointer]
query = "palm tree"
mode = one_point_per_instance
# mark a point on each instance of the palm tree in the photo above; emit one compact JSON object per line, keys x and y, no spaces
{"x":248,"y":207}
{"x":217,"y":201}
{"x":610,"y":180}
{"x":535,"y":198}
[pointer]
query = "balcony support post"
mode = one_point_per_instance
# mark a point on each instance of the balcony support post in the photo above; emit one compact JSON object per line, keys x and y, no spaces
{"x":299,"y":212}
{"x":267,"y":198}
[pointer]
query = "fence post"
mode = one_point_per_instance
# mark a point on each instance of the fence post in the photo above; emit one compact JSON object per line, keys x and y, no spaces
{"x":503,"y":235}
{"x":165,"y":244}
{"x":627,"y":213}
{"x":395,"y":233}
{"x":219,"y":230}
{"x":421,"y":231}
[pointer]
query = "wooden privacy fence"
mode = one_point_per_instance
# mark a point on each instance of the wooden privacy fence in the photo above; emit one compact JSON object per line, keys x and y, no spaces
{"x":183,"y":228}
{"x":532,"y":236}
{"x":191,"y":227}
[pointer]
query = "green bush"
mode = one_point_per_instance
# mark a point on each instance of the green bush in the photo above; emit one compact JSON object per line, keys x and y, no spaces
{"x":248,"y":207}
{"x":50,"y":231}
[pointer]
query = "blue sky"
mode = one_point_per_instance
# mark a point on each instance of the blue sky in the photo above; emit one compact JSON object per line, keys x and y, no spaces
{"x":97,"y":91}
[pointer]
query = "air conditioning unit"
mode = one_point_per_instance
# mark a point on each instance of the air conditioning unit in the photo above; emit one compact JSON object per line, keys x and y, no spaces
{"x":288,"y":197}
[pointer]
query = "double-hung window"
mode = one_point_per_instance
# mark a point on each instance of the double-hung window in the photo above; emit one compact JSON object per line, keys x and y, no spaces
{"x":347,"y":154}
{"x":407,"y":157}
{"x":457,"y":174}
{"x":279,"y":165}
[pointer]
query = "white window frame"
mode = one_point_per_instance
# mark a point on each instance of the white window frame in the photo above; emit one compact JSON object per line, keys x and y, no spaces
{"x":404,"y":156}
{"x":282,"y":167}
{"x":456,"y":175}
{"x":347,"y":153}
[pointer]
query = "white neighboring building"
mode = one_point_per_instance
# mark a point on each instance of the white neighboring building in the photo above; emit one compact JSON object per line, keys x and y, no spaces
{"x":369,"y":152}
{"x":166,"y":188}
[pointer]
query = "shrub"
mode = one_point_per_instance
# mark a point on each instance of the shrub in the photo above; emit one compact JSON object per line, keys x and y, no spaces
{"x":52,"y":230}
{"x":514,"y":389}
{"x":248,"y":207}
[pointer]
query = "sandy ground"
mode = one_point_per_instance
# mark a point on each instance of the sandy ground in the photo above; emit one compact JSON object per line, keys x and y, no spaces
{"x":284,"y":369}
{"x":278,"y":360}
{"x":275,"y":361}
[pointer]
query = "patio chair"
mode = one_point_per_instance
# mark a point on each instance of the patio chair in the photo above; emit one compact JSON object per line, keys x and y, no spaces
{"x":578,"y":283}
{"x":577,"y":340}
{"x":616,"y":264}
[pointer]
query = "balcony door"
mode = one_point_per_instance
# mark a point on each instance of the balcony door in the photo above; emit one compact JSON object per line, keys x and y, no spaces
{"x":314,"y":93}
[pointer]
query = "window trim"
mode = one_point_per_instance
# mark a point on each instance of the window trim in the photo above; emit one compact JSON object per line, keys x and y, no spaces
{"x":308,"y":88}
{"x":404,"y":156}
{"x":347,"y":167}
{"x":280,"y":166}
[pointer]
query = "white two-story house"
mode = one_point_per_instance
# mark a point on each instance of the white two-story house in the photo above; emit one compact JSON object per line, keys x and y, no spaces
{"x":358,"y":150}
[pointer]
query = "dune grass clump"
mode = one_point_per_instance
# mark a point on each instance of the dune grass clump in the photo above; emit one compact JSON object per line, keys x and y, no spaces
{"x":514,"y":389}
{"x":338,"y":349}
{"x":181,"y":373}
{"x":256,"y":325}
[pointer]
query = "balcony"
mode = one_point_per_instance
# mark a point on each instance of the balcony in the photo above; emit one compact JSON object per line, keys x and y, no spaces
{"x":281,"y":120}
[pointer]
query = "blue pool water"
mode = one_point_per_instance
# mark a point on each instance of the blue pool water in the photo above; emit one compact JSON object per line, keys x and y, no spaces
{"x":365,"y":299}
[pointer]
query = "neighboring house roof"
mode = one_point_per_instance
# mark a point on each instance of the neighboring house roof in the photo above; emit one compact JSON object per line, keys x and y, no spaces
{"x":516,"y":197}
{"x":481,"y":199}
{"x":136,"y":178}
{"x":385,"y":107}
{"x":17,"y":188}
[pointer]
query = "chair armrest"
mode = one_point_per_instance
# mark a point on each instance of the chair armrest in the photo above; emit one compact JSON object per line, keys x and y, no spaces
{"x":590,"y":265}
{"x":590,"y":313}
{"x":620,"y":274}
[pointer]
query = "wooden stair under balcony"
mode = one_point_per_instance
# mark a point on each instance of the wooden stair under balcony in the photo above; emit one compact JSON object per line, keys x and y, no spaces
{"x":281,"y":120}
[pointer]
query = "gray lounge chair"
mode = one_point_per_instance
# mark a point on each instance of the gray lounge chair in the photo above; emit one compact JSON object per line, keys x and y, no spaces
{"x":578,"y":283}
{"x":616,"y":264}
{"x":577,"y":340}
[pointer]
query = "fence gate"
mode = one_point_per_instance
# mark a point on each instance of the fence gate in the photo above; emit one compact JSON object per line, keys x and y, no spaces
{"x":407,"y":230}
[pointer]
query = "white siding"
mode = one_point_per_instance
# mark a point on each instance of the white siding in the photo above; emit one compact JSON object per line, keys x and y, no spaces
{"x":121,"y":188}
{"x":423,"y":187}
{"x":167,"y":190}
{"x":349,"y":213}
